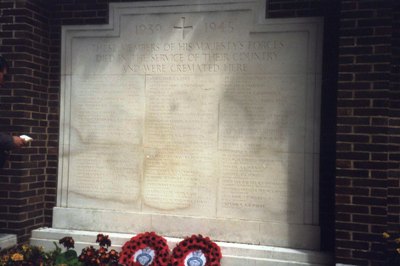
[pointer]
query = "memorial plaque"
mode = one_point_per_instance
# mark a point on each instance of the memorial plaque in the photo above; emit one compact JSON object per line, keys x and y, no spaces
{"x":192,"y":115}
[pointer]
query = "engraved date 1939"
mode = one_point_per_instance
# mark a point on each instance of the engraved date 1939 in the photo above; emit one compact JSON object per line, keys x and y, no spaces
{"x":147,"y":28}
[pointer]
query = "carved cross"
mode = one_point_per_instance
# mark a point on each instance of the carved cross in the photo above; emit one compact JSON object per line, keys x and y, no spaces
{"x":183,"y":27}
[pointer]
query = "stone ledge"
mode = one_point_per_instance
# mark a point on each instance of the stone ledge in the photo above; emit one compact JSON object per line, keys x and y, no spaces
{"x":233,"y":254}
{"x":7,"y":240}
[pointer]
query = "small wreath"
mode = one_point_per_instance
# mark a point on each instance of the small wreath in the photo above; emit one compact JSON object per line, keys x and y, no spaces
{"x":196,"y":250}
{"x":146,"y":249}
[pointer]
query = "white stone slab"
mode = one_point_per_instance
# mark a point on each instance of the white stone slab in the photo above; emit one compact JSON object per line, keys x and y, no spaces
{"x":7,"y":240}
{"x":183,"y":118}
{"x":233,"y":254}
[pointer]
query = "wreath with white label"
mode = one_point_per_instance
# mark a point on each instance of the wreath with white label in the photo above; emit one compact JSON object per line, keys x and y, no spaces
{"x":196,"y":251}
{"x":146,"y":249}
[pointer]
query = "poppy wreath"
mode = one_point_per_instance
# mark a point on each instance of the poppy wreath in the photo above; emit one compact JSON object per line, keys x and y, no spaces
{"x":147,"y":249}
{"x":196,"y":250}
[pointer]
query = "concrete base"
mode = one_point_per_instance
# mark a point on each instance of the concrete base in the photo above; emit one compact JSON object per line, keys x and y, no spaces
{"x":7,"y":240}
{"x":233,"y":254}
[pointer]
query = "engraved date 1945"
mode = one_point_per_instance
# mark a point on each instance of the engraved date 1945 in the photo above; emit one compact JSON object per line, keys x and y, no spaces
{"x":223,"y":26}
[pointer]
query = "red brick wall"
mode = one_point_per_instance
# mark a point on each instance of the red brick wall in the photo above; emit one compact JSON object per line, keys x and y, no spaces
{"x":27,"y":179}
{"x":367,"y":141}
{"x":394,"y":126}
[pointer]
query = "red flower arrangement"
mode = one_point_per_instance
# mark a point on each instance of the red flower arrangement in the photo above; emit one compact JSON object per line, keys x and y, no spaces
{"x":196,"y":250}
{"x":147,"y":249}
{"x":93,"y":257}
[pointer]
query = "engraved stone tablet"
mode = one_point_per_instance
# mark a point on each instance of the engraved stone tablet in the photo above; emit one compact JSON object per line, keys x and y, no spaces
{"x":183,"y":118}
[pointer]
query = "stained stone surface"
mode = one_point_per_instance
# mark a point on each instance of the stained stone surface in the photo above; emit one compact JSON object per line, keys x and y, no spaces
{"x":183,"y":118}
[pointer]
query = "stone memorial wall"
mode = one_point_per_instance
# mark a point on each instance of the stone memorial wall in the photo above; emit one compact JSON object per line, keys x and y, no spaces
{"x":183,"y":118}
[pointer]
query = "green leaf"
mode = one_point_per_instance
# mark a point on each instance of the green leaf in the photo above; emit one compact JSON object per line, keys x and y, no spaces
{"x":71,"y":254}
{"x":70,"y":258}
